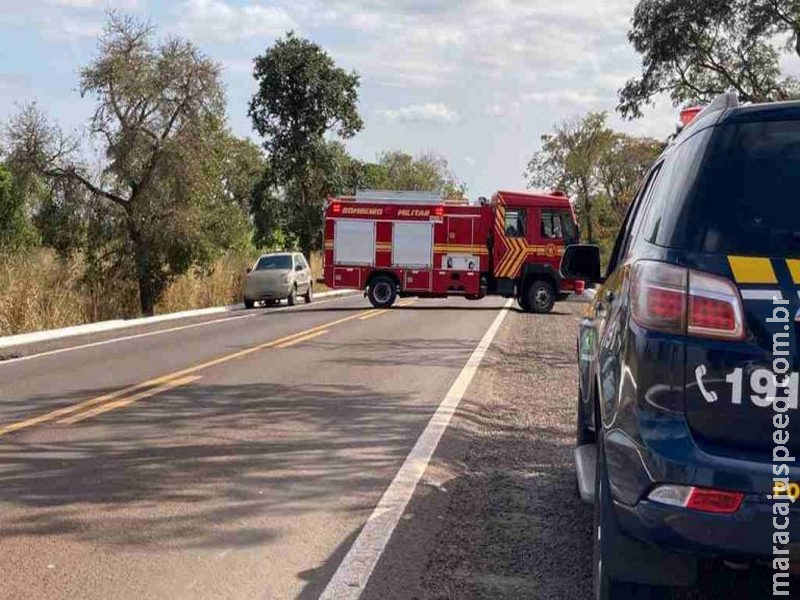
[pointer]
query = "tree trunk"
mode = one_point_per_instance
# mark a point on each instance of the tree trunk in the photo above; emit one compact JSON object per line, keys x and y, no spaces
{"x":589,"y":224}
{"x":307,"y":240}
{"x":587,"y":206}
{"x":144,"y":276}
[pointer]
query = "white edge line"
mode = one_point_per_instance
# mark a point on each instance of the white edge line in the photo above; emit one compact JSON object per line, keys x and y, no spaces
{"x":355,"y":569}
{"x":126,"y":338}
{"x":23,"y":339}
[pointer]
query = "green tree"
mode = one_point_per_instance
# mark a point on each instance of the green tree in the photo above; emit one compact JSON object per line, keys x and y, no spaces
{"x":15,"y":227}
{"x":569,"y":159}
{"x":696,"y":50}
{"x":159,"y":123}
{"x":621,"y":167}
{"x":301,"y":96}
{"x":62,"y":216}
{"x":774,"y":17}
{"x":396,"y":170}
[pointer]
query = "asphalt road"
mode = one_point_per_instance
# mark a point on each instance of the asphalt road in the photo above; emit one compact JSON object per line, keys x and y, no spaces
{"x":230,"y":457}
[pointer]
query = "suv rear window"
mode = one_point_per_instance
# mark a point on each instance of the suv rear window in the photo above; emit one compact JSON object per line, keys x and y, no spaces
{"x":745,"y":197}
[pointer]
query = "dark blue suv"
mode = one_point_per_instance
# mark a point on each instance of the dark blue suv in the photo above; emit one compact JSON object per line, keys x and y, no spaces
{"x":688,"y":421}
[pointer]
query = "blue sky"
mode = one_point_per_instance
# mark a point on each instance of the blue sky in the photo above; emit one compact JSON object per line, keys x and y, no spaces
{"x":477,"y":81}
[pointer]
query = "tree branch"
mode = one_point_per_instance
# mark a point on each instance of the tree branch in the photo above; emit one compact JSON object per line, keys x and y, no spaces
{"x":72,"y":173}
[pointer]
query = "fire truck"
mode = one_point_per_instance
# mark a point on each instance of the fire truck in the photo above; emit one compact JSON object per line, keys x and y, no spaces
{"x":394,"y":244}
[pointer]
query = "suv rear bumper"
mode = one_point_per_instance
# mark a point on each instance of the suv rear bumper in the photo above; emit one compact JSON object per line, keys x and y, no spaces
{"x":745,"y":535}
{"x":670,"y":455}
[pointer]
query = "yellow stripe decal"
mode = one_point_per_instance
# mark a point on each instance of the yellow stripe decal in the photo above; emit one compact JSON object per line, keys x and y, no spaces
{"x":747,"y":269}
{"x":794,"y":269}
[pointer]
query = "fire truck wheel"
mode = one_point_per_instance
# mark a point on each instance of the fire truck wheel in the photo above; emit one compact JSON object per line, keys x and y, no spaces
{"x":292,"y":299}
{"x":309,"y":296}
{"x":540,"y":297}
{"x":382,"y":292}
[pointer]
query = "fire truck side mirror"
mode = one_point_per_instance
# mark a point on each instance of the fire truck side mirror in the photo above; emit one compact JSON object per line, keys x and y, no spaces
{"x":582,"y":261}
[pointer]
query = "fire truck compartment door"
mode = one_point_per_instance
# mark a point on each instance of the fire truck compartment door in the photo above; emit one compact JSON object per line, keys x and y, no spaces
{"x":354,"y":243}
{"x":412,"y":244}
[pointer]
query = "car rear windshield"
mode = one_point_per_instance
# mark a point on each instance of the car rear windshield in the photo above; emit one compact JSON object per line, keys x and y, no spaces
{"x":274,"y":262}
{"x":745,"y":196}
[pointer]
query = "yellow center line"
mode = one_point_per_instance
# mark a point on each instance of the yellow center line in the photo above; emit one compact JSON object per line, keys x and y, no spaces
{"x":304,"y":338}
{"x":150,"y":383}
{"x":99,"y":410}
{"x":375,"y":313}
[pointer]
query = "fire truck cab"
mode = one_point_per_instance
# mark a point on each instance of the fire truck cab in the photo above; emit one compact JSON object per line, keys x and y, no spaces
{"x":394,"y":244}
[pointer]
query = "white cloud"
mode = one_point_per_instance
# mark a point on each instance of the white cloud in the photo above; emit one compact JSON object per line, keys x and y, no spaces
{"x":101,"y":4}
{"x":570,"y":97}
{"x":495,"y":110}
{"x":69,"y":29}
{"x":218,"y":21}
{"x":432,"y":112}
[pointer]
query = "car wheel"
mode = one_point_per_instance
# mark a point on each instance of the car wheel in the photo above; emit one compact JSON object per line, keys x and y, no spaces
{"x":382,"y":292}
{"x":309,"y":296}
{"x":248,"y":304}
{"x":540,"y":297}
{"x":292,"y":299}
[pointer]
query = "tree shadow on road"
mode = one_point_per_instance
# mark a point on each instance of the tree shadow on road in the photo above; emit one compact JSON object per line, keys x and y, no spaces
{"x":192,"y":468}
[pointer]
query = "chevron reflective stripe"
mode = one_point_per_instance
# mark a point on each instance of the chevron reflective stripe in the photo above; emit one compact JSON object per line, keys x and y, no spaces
{"x":794,"y":269}
{"x":749,"y":269}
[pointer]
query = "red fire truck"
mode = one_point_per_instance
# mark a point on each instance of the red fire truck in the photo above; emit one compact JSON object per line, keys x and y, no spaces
{"x":394,"y":244}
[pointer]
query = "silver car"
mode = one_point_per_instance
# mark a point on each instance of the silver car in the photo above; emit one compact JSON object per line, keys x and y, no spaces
{"x":277,"y":276}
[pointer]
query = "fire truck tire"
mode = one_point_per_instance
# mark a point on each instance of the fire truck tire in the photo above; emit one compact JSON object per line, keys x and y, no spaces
{"x":540,"y":296}
{"x":292,"y":299}
{"x":382,"y":292}
{"x":309,"y":295}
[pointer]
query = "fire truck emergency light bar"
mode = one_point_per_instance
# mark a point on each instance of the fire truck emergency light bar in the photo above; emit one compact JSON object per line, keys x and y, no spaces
{"x":398,"y":197}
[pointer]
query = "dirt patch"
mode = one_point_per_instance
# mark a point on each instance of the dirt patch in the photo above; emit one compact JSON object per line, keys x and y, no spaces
{"x":514,"y":527}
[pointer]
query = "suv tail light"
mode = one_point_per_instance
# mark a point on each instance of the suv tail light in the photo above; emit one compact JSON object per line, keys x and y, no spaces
{"x":673,"y":299}
{"x":708,"y":500}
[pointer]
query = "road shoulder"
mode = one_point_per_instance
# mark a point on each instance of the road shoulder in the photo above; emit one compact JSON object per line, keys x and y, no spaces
{"x":497,"y":515}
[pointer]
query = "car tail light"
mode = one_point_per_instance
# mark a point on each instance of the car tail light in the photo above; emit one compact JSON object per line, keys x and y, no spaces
{"x":673,"y":299}
{"x":715,"y":309}
{"x":695,"y":498}
{"x":658,"y":296}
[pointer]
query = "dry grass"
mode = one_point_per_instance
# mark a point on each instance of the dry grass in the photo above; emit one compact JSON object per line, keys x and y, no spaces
{"x":222,"y":286}
{"x":40,"y":291}
{"x":37,"y":291}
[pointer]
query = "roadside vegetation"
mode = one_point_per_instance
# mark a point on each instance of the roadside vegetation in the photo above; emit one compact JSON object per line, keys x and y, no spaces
{"x":157,"y":205}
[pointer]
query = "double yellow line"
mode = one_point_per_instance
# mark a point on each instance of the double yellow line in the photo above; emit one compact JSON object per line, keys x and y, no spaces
{"x":151,"y":387}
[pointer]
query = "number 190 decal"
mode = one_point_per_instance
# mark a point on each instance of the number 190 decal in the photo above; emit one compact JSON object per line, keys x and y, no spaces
{"x":764,"y":386}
